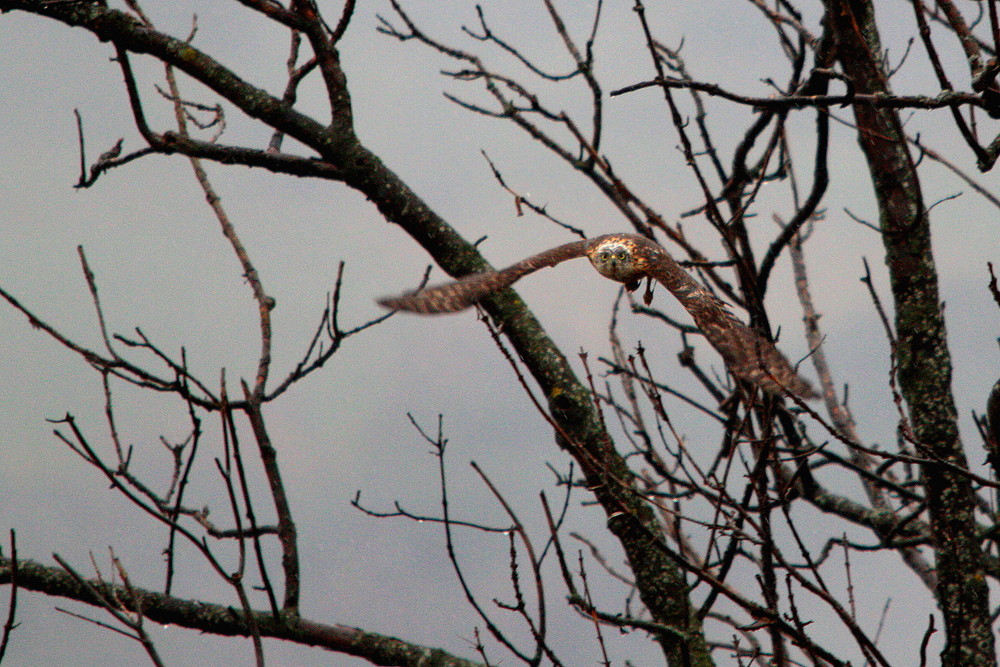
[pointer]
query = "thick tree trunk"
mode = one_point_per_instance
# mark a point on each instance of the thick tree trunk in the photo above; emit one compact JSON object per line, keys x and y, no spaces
{"x":924,"y":364}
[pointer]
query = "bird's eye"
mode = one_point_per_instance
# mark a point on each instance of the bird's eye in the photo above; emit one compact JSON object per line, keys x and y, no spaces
{"x":604,"y":255}
{"x":621,"y":254}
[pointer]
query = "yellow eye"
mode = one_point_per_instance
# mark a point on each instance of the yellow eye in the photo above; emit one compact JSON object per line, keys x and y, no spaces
{"x":604,"y":255}
{"x":621,"y":254}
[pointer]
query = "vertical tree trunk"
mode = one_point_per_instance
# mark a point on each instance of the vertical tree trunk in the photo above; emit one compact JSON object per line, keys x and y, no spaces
{"x":924,"y":364}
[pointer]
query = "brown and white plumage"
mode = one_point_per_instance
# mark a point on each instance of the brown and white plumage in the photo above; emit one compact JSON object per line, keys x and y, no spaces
{"x":628,"y":258}
{"x":461,"y":294}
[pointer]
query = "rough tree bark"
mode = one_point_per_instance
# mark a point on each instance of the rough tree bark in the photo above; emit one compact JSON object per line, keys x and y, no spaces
{"x":922,"y":357}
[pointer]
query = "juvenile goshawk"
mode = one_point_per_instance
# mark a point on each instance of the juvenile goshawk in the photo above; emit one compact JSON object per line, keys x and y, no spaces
{"x":628,"y":258}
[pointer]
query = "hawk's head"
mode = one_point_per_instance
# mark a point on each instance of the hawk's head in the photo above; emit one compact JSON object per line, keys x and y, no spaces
{"x":616,"y":259}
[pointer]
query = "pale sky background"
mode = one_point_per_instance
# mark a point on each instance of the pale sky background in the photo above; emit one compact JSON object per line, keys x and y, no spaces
{"x":162,"y":265}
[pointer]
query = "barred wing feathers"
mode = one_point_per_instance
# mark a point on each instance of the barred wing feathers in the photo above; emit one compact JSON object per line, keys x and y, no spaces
{"x":461,"y":294}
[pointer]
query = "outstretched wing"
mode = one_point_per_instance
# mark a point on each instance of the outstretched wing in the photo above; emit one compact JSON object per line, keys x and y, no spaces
{"x":461,"y":294}
{"x":749,"y":355}
{"x":753,"y":357}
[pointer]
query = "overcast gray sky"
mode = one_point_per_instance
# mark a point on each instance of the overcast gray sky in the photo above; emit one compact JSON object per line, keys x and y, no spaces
{"x":161,"y":264}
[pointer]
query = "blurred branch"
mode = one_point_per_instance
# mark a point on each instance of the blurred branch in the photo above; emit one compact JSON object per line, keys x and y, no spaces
{"x":843,"y":420}
{"x":224,"y":620}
